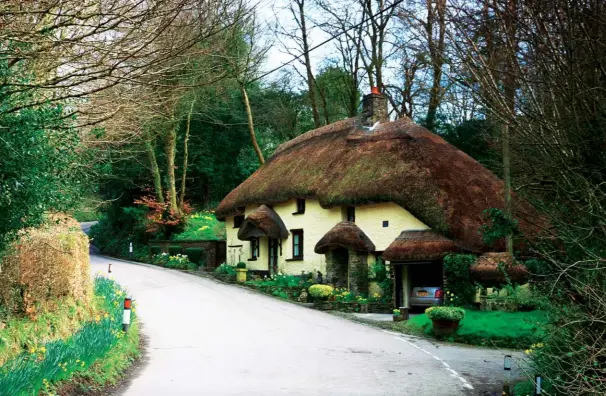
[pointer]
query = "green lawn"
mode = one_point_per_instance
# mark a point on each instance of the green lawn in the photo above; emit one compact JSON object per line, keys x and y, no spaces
{"x":202,"y":226}
{"x":495,"y":328}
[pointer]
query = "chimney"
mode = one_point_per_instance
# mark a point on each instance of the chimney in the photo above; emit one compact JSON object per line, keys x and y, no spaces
{"x":374,"y":108}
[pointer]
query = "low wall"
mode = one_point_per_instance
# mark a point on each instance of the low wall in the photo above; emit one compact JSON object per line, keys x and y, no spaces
{"x":215,"y":250}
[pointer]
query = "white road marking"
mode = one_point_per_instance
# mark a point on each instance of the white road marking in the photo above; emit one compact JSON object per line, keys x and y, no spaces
{"x":453,"y":373}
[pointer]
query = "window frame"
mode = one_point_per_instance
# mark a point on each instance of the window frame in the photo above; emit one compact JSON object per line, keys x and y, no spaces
{"x":350,"y":212}
{"x":255,"y":249}
{"x":238,"y":224}
{"x":298,"y":232}
{"x":300,"y":206}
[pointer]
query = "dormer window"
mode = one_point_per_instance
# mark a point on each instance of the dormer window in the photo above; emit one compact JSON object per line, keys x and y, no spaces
{"x":300,"y":206}
{"x":351,"y":214}
{"x":238,"y":220}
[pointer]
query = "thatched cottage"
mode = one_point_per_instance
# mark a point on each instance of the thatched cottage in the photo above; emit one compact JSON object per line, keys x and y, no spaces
{"x":335,"y":198}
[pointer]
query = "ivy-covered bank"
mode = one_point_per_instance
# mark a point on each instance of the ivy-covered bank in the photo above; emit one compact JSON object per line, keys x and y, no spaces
{"x":94,"y":356}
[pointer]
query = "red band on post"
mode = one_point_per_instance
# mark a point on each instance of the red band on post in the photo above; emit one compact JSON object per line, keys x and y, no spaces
{"x":127,"y":303}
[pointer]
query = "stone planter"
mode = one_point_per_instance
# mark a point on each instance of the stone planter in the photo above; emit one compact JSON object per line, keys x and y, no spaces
{"x":323,"y":305}
{"x":398,"y":318}
{"x":445,"y":328}
{"x":241,"y":275}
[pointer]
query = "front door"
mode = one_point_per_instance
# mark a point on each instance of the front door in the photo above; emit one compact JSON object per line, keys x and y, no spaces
{"x":273,"y":255}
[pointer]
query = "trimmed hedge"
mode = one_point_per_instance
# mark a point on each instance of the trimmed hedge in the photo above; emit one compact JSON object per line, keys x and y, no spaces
{"x":196,"y":255}
{"x":174,"y":250}
{"x":156,"y":250}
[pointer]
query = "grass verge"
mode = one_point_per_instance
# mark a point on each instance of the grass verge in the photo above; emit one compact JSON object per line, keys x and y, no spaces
{"x":96,"y":353}
{"x":516,"y":330}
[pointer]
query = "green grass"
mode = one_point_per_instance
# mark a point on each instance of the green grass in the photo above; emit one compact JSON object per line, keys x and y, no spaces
{"x":91,"y":351}
{"x":202,"y":226}
{"x":495,"y":328}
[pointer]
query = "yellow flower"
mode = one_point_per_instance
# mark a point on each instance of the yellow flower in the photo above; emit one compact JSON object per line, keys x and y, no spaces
{"x":106,"y":315}
{"x":97,"y":318}
{"x":32,"y":350}
{"x":42,"y":350}
{"x":82,"y":364}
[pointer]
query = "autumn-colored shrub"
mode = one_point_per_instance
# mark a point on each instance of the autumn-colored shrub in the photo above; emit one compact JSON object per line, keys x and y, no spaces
{"x":46,"y":263}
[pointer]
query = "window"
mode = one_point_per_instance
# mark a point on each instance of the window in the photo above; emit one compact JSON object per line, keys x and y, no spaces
{"x":238,"y":221}
{"x":300,"y":206}
{"x":385,"y":223}
{"x":254,"y":248}
{"x":297,"y":244}
{"x":351,"y":214}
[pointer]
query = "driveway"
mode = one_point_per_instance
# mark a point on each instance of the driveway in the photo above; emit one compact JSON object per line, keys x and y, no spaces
{"x":206,"y":338}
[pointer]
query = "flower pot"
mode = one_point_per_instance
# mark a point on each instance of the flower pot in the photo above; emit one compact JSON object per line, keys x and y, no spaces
{"x":241,"y":275}
{"x":398,"y":318}
{"x":445,"y":328}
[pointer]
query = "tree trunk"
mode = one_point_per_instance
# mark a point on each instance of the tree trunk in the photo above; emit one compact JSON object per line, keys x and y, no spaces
{"x":436,"y":51}
{"x":251,"y":126}
{"x":310,"y":76}
{"x":170,"y":143}
{"x":155,"y":171}
{"x":185,"y":157}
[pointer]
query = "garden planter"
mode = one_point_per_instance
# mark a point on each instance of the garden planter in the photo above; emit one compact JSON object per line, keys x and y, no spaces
{"x":241,"y":275}
{"x":380,"y":308}
{"x":323,"y":305}
{"x":444,"y":328}
{"x":398,"y":318}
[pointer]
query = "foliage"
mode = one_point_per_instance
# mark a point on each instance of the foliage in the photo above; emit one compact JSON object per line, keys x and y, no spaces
{"x":47,"y":362}
{"x":174,"y":250}
{"x":47,"y":262}
{"x":397,"y":312}
{"x":196,"y":255}
{"x":283,"y":286}
{"x":445,"y":313}
{"x":517,"y":330}
{"x":241,"y":265}
{"x":225,"y":269}
{"x":321,"y":292}
{"x":378,"y":273}
{"x":459,"y":286}
{"x":177,"y":261}
{"x":202,"y":226}
{"x":499,"y":226}
{"x":156,"y":250}
{"x":41,"y":153}
{"x":161,"y":220}
{"x":117,"y":228}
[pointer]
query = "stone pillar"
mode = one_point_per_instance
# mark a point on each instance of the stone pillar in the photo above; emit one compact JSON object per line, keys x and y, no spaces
{"x":358,"y":273}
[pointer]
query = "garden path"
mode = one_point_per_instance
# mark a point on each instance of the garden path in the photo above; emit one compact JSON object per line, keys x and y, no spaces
{"x":207,"y":338}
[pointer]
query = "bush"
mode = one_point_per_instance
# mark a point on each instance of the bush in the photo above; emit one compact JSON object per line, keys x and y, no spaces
{"x":117,"y":228}
{"x":225,"y":269}
{"x":445,"y":313}
{"x":196,"y":255}
{"x":179,"y":261}
{"x":174,"y":250}
{"x":241,"y":265}
{"x":458,"y":281}
{"x":156,"y":250}
{"x":202,"y":226}
{"x":46,"y":263}
{"x":320,"y":292}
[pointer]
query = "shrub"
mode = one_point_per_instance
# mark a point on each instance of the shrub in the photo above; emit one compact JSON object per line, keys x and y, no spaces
{"x":196,"y":255}
{"x":155,"y":250}
{"x":46,"y":263}
{"x":180,"y":261}
{"x":174,"y":250}
{"x":202,"y":226}
{"x":458,"y":281}
{"x":320,"y":292}
{"x":241,"y":265}
{"x":225,"y":269}
{"x":397,"y":312}
{"x":445,"y":313}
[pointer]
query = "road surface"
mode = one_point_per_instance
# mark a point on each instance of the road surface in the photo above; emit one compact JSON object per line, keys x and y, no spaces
{"x":207,"y":338}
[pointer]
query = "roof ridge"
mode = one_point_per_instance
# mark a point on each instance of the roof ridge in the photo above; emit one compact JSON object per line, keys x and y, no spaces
{"x":335,"y":127}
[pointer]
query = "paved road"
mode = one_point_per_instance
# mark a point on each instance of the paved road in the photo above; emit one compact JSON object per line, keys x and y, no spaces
{"x":207,"y":338}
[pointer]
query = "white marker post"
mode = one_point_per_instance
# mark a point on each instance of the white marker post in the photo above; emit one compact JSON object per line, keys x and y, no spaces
{"x":537,"y":385}
{"x":130,"y":250}
{"x":126,"y":316}
{"x":507,"y":382}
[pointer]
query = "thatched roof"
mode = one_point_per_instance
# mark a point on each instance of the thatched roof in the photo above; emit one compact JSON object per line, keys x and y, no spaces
{"x":398,"y":162}
{"x":488,"y":269}
{"x":262,"y":222}
{"x":419,"y":245}
{"x":346,"y":235}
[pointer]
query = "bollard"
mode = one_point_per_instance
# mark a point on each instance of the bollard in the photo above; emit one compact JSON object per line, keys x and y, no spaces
{"x":126,"y":316}
{"x":109,"y":268}
{"x":507,"y":380}
{"x":537,"y":385}
{"x":130,"y":250}
{"x":404,"y":313}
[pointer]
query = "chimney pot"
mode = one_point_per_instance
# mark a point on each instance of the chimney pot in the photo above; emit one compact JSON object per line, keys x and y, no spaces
{"x":375,"y":90}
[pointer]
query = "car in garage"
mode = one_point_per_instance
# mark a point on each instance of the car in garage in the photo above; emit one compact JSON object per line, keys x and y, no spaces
{"x":426,"y":296}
